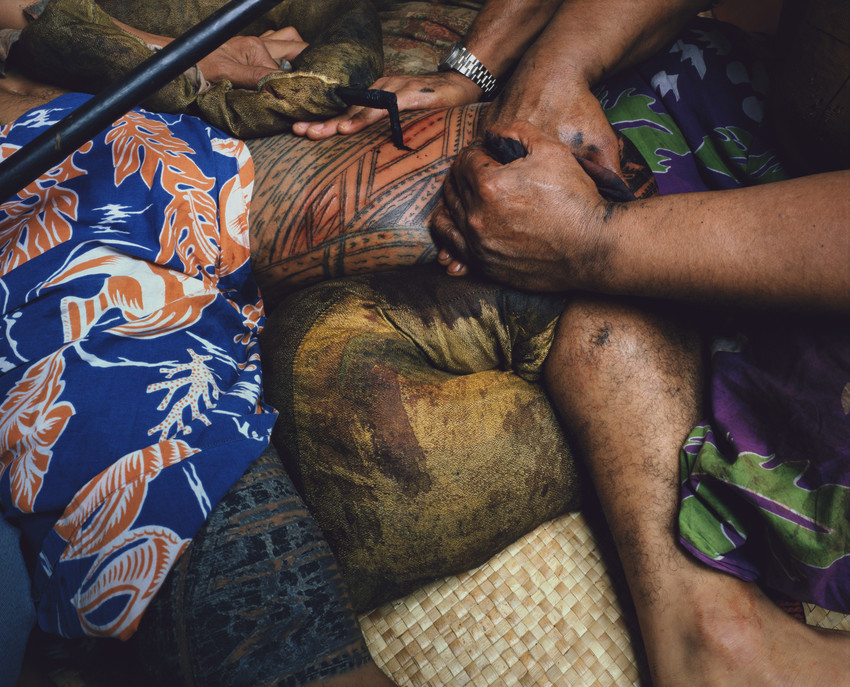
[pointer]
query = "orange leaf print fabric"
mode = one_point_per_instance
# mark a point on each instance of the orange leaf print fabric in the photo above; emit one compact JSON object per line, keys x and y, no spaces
{"x":32,"y":419}
{"x":130,"y":389}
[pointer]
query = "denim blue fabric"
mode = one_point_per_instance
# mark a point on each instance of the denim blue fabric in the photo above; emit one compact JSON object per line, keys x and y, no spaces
{"x":17,"y":613}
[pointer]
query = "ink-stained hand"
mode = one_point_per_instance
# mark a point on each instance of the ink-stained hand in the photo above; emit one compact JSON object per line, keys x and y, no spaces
{"x":244,"y":60}
{"x":534,"y":223}
{"x":419,"y":92}
{"x":562,"y":107}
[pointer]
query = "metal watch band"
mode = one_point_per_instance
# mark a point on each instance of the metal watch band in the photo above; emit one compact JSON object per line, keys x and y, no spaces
{"x":464,"y":62}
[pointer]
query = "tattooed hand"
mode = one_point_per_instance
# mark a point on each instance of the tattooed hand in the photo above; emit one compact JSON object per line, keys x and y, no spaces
{"x":420,"y":92}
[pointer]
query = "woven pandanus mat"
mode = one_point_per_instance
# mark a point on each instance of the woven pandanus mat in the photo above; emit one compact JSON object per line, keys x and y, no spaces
{"x":828,"y":620}
{"x":548,"y":610}
{"x":545,"y":611}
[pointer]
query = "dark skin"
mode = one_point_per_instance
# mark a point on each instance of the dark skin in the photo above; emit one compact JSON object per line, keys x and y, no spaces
{"x":627,"y":380}
{"x":501,"y":32}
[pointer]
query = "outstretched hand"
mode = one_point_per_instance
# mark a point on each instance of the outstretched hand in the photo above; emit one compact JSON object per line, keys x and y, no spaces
{"x":423,"y":91}
{"x":533,"y":223}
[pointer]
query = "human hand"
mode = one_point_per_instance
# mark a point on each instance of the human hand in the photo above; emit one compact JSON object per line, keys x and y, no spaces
{"x":244,"y":60}
{"x":419,"y":92}
{"x":534,"y":223}
{"x":284,"y":44}
{"x":568,"y":111}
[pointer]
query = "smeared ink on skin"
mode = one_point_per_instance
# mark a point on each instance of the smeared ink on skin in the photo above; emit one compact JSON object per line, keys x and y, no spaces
{"x":380,"y":100}
{"x":610,"y":186}
{"x":602,"y":335}
{"x":503,"y":150}
{"x":426,"y":90}
{"x":577,"y":140}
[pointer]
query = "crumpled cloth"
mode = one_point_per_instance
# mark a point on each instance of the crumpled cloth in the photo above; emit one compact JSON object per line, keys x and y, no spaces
{"x":130,"y":384}
{"x":76,"y":45}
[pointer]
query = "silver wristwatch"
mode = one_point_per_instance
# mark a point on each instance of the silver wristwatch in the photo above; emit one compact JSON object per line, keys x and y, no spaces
{"x":464,"y":62}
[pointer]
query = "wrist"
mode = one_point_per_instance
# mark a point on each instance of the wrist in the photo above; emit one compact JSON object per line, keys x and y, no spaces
{"x":460,"y":60}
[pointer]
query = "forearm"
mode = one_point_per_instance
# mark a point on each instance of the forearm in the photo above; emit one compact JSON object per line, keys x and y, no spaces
{"x":585,"y":41}
{"x":504,"y":29}
{"x":592,"y":39}
{"x":785,"y":244}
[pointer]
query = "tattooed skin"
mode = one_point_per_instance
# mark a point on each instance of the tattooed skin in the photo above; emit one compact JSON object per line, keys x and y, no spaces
{"x":350,"y":204}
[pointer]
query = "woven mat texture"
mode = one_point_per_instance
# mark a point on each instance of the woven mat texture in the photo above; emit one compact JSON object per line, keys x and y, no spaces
{"x":551,"y":609}
{"x":544,"y":611}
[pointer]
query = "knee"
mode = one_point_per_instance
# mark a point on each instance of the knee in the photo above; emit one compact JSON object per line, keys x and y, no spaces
{"x":595,"y":338}
{"x":605,"y":346}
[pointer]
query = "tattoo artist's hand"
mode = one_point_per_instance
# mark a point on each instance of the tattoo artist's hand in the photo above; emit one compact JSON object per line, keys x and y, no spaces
{"x":420,"y":92}
{"x":244,"y":60}
{"x":564,"y":108}
{"x":533,"y":223}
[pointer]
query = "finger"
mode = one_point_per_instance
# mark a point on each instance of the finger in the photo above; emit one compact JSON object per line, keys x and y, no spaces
{"x":288,"y":33}
{"x":457,"y":269}
{"x":300,"y":128}
{"x":452,"y":198}
{"x":446,"y":235}
{"x":320,"y":130}
{"x":527,"y":134}
{"x":454,"y":267}
{"x":360,"y":119}
{"x":444,"y":257}
{"x":247,"y":77}
{"x":284,"y":50}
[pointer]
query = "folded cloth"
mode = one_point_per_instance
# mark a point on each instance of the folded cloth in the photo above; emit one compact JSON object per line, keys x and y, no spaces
{"x":130,"y":387}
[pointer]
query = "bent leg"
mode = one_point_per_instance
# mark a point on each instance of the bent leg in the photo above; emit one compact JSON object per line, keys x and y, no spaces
{"x":256,"y":599}
{"x":628,"y":385}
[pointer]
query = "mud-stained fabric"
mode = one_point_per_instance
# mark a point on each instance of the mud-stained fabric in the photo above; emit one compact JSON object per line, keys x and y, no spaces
{"x":256,"y":600}
{"x":413,"y":422}
{"x":131,"y":387}
{"x":75,"y":44}
{"x":766,"y":479}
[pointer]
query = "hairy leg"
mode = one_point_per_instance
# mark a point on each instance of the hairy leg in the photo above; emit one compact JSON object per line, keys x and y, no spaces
{"x":628,"y":384}
{"x":352,"y":204}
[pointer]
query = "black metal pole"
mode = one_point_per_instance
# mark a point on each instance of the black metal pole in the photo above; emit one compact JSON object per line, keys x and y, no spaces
{"x":63,"y":138}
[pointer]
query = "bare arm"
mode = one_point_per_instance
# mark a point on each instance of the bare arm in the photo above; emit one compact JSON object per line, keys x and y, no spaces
{"x":586,"y":41}
{"x":785,"y":244}
{"x":12,"y":13}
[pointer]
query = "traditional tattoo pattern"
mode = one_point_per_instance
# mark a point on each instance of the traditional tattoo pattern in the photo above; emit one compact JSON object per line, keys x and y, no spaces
{"x":349,"y":205}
